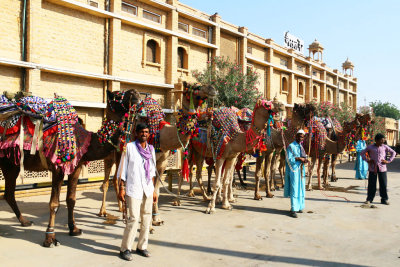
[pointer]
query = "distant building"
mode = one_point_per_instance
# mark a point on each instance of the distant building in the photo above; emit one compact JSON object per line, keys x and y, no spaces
{"x":392,"y":131}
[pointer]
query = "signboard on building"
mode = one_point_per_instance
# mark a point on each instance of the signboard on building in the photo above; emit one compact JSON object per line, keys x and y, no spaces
{"x":293,"y":42}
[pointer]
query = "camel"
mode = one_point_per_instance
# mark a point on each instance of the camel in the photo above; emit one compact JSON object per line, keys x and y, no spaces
{"x":95,"y":151}
{"x":170,"y":139}
{"x":241,"y":142}
{"x":275,"y":143}
{"x":317,"y":152}
{"x":364,"y":121}
{"x":244,"y":121}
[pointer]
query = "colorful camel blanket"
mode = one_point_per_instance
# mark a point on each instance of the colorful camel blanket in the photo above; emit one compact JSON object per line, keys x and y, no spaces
{"x":10,"y":146}
{"x":224,"y":128}
{"x":318,"y":136}
{"x":49,"y":126}
{"x":151,"y":112}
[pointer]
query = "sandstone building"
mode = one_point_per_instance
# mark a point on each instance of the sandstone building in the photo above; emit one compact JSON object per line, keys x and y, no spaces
{"x":81,"y":48}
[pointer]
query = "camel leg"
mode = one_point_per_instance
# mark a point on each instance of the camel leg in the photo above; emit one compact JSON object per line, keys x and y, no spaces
{"x":217,"y":186}
{"x":319,"y":163}
{"x":191,"y":190}
{"x":115,"y":180}
{"x":281,"y":169}
{"x":227,"y":181}
{"x":209,"y":173}
{"x":71,"y":199}
{"x":310,"y":174}
{"x":267,"y":173}
{"x":333,"y":164}
{"x":57,"y":181}
{"x":108,"y":163}
{"x":199,"y":169}
{"x":325,"y":169}
{"x":259,"y":162}
{"x":177,"y":201}
{"x":273,"y":170}
{"x":10,"y":175}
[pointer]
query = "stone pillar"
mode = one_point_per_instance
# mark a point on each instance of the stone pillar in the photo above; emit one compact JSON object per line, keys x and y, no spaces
{"x":269,"y":70}
{"x":216,"y":38}
{"x":292,"y":81}
{"x":337,"y":91}
{"x":114,"y":46}
{"x":309,"y":84}
{"x":243,"y":49}
{"x":32,"y":46}
{"x":323,"y":93}
{"x":172,"y":53}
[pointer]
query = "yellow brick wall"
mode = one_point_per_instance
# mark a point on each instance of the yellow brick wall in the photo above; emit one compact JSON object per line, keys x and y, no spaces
{"x":10,"y":78}
{"x":71,"y":39}
{"x":131,"y":55}
{"x":197,"y":60}
{"x":258,"y":52}
{"x":92,"y":117}
{"x":72,"y":88}
{"x":276,"y":59}
{"x":261,"y":78}
{"x":158,"y":94}
{"x":276,"y":87}
{"x":228,"y":46}
{"x":341,"y":97}
{"x":10,"y":36}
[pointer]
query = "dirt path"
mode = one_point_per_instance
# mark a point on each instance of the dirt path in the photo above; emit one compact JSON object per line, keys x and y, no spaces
{"x":254,"y":233}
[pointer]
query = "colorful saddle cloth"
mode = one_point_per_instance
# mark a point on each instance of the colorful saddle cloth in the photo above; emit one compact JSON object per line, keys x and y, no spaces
{"x":51,"y":123}
{"x":224,"y":128}
{"x":152,"y":114}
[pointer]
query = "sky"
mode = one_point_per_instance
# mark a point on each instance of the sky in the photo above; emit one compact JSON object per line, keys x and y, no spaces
{"x":365,"y":31}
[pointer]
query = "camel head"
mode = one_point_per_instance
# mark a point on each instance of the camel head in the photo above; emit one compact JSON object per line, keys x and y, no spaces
{"x":303,"y":112}
{"x":262,"y":112}
{"x":119,"y":102}
{"x":197,"y":93}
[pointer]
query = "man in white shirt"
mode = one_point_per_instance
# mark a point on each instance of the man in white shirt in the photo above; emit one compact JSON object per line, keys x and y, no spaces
{"x":138,"y":173}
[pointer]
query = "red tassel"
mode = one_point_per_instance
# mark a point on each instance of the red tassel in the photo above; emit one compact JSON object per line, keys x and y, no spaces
{"x":185,"y":169}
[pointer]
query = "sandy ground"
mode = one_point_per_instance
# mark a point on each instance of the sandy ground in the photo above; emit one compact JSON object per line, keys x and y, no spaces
{"x":254,"y":233}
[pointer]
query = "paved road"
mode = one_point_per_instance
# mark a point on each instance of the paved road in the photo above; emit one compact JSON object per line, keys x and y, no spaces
{"x":254,"y":233}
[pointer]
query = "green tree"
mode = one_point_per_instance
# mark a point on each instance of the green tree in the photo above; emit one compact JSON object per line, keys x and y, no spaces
{"x":235,"y":88}
{"x":342,"y":112}
{"x":385,"y":110}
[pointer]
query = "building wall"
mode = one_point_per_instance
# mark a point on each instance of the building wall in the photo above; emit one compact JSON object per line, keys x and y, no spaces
{"x":79,"y":51}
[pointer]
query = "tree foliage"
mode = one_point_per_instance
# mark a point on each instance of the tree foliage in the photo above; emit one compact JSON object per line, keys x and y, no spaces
{"x":385,"y":110}
{"x":235,"y":88}
{"x":342,"y":112}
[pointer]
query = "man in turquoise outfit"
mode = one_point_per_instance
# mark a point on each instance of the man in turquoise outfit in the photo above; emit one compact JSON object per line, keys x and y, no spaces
{"x":295,"y":175}
{"x":361,"y":166}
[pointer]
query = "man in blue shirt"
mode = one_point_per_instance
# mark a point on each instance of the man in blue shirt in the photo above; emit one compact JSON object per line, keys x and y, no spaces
{"x":295,"y":174}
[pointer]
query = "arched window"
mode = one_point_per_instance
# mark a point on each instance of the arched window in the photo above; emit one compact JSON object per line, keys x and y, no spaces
{"x":350,"y":101}
{"x":182,"y":58}
{"x":151,"y":51}
{"x":315,"y":92}
{"x":301,"y":89}
{"x":329,"y":95}
{"x":284,"y":85}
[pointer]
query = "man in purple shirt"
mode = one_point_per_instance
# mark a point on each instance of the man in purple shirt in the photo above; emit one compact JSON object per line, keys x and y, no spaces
{"x":375,"y":155}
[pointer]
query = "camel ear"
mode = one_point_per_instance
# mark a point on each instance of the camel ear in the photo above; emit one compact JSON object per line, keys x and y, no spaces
{"x":110,"y":95}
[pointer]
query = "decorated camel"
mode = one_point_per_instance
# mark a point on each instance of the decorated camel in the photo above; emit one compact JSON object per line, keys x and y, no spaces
{"x":278,"y":139}
{"x":318,"y":145}
{"x":223,"y":141}
{"x":364,"y":124}
{"x":53,"y":140}
{"x":244,"y":117}
{"x":171,"y":137}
